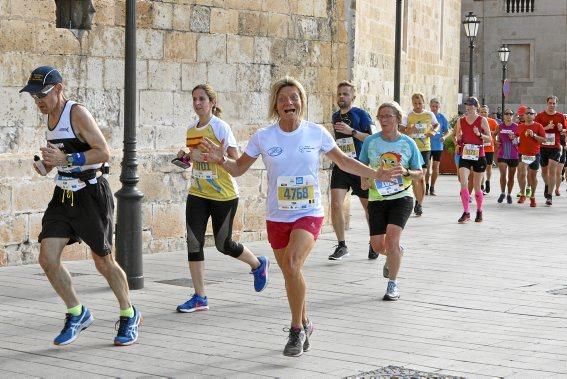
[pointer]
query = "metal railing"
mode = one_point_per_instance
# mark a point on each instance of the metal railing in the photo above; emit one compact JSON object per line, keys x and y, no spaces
{"x":520,"y":6}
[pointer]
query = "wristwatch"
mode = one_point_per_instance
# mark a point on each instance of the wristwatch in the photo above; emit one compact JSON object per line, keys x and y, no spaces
{"x":69,"y":159}
{"x":407,"y":173}
{"x":353,"y":133}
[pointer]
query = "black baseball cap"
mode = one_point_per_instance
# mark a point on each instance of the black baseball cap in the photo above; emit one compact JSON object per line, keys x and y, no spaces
{"x":42,"y":77}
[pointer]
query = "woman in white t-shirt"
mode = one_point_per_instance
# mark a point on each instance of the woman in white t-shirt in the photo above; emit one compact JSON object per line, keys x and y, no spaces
{"x":291,"y":149}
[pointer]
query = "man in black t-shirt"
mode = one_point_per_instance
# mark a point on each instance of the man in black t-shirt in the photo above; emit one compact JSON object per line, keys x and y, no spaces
{"x":351,"y":125}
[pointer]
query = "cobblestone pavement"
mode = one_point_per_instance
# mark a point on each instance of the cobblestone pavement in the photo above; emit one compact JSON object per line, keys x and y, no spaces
{"x":481,"y":299}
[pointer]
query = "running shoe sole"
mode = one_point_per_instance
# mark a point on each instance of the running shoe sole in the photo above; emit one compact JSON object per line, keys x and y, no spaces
{"x":196,"y":309}
{"x":390,"y":298}
{"x":331,"y":258}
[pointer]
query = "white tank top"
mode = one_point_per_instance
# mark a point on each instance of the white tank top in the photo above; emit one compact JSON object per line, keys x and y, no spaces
{"x":63,"y":136}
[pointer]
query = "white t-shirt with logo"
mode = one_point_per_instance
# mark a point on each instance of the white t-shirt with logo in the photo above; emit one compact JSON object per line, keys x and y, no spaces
{"x":292,"y":162}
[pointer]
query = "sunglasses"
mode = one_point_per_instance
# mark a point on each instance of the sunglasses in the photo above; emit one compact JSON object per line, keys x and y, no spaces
{"x":41,"y":95}
{"x":508,"y":114}
{"x":530,"y":113}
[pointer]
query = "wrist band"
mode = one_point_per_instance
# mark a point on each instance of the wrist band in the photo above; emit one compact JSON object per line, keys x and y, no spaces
{"x":79,"y":159}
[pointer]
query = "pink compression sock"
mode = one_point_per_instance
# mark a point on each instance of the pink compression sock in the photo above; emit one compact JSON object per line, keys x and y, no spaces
{"x":465,"y":197}
{"x":479,"y":200}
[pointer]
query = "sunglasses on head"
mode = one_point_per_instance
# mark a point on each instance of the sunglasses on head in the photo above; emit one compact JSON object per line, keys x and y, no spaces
{"x":41,"y":95}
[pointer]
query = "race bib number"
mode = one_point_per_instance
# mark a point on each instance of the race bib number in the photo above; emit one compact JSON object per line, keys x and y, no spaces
{"x":203,"y":170}
{"x":69,"y":184}
{"x":388,"y":188}
{"x":471,"y":152}
{"x":528,"y":159}
{"x":296,"y":192}
{"x":420,"y":130}
{"x":549,"y":139}
{"x":347,"y":146}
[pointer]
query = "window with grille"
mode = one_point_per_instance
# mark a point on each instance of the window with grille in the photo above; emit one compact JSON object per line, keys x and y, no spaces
{"x":74,"y":14}
{"x":520,"y":6}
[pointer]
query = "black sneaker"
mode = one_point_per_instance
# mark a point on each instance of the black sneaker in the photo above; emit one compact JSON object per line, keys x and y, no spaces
{"x":427,"y":188}
{"x":509,"y":199}
{"x":487,"y":186}
{"x":432,"y":191}
{"x":295,"y":341}
{"x":372,"y":254}
{"x":545,"y":190}
{"x":478,"y":217}
{"x":548,"y":202}
{"x":340,"y":253}
{"x":308,"y":331}
{"x":417,"y":209}
{"x":501,"y":198}
{"x":466,"y":217}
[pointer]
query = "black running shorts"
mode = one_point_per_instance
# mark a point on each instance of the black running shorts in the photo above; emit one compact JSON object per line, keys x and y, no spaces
{"x":476,"y":166}
{"x":84,"y":215}
{"x":347,"y":181}
{"x":436,"y":155}
{"x":547,"y":153}
{"x":385,"y":212}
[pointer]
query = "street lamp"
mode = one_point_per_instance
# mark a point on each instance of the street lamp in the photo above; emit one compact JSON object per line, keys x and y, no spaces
{"x":471,"y":29}
{"x":503,"y":53}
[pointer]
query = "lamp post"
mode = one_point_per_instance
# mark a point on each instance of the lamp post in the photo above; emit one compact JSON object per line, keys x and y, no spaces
{"x":471,"y":29}
{"x":129,"y":205}
{"x":503,"y":53}
{"x":398,"y":51}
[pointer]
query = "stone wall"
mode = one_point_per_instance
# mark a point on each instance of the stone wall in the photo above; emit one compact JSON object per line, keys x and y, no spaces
{"x":429,"y":59}
{"x":239,"y":46}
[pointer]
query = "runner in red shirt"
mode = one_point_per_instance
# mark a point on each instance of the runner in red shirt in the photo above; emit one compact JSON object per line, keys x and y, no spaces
{"x":532,"y":135}
{"x":552,"y":122}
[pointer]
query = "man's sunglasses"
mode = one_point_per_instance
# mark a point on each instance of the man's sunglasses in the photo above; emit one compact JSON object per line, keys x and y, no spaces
{"x":41,"y":95}
{"x":508,"y":114}
{"x":530,"y":113}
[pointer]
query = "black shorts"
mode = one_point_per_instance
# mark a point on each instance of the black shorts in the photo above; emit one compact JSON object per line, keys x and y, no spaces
{"x":426,"y":156}
{"x":489,"y":158}
{"x":347,"y":181}
{"x":476,"y":166}
{"x":385,"y":212}
{"x":436,"y":155}
{"x":563,"y":153}
{"x":85,"y":215}
{"x":509,"y":162}
{"x":535,"y":164}
{"x":547,"y":153}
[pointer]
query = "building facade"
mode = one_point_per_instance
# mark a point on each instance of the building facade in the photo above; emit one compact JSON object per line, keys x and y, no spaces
{"x":535,"y":31}
{"x":238,"y":46}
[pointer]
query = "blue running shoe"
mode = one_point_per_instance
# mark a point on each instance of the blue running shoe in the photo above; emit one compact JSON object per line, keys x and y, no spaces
{"x":73,"y":326}
{"x":195,"y":303}
{"x":128,"y":329}
{"x":261,"y":274}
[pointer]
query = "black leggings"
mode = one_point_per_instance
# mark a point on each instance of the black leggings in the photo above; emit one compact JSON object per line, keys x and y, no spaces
{"x":197,"y":212}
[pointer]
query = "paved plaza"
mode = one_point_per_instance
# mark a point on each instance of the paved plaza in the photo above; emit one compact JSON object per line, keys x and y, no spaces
{"x":477,"y":300}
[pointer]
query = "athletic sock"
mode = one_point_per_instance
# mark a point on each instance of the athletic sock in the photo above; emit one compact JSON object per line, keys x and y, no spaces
{"x":342,"y":243}
{"x":465,"y":196}
{"x":127,"y":312}
{"x":479,"y":199}
{"x":76,"y":310}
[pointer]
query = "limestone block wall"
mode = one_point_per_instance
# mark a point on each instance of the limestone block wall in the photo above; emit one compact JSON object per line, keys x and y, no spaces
{"x":238,"y":46}
{"x":430,"y":51}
